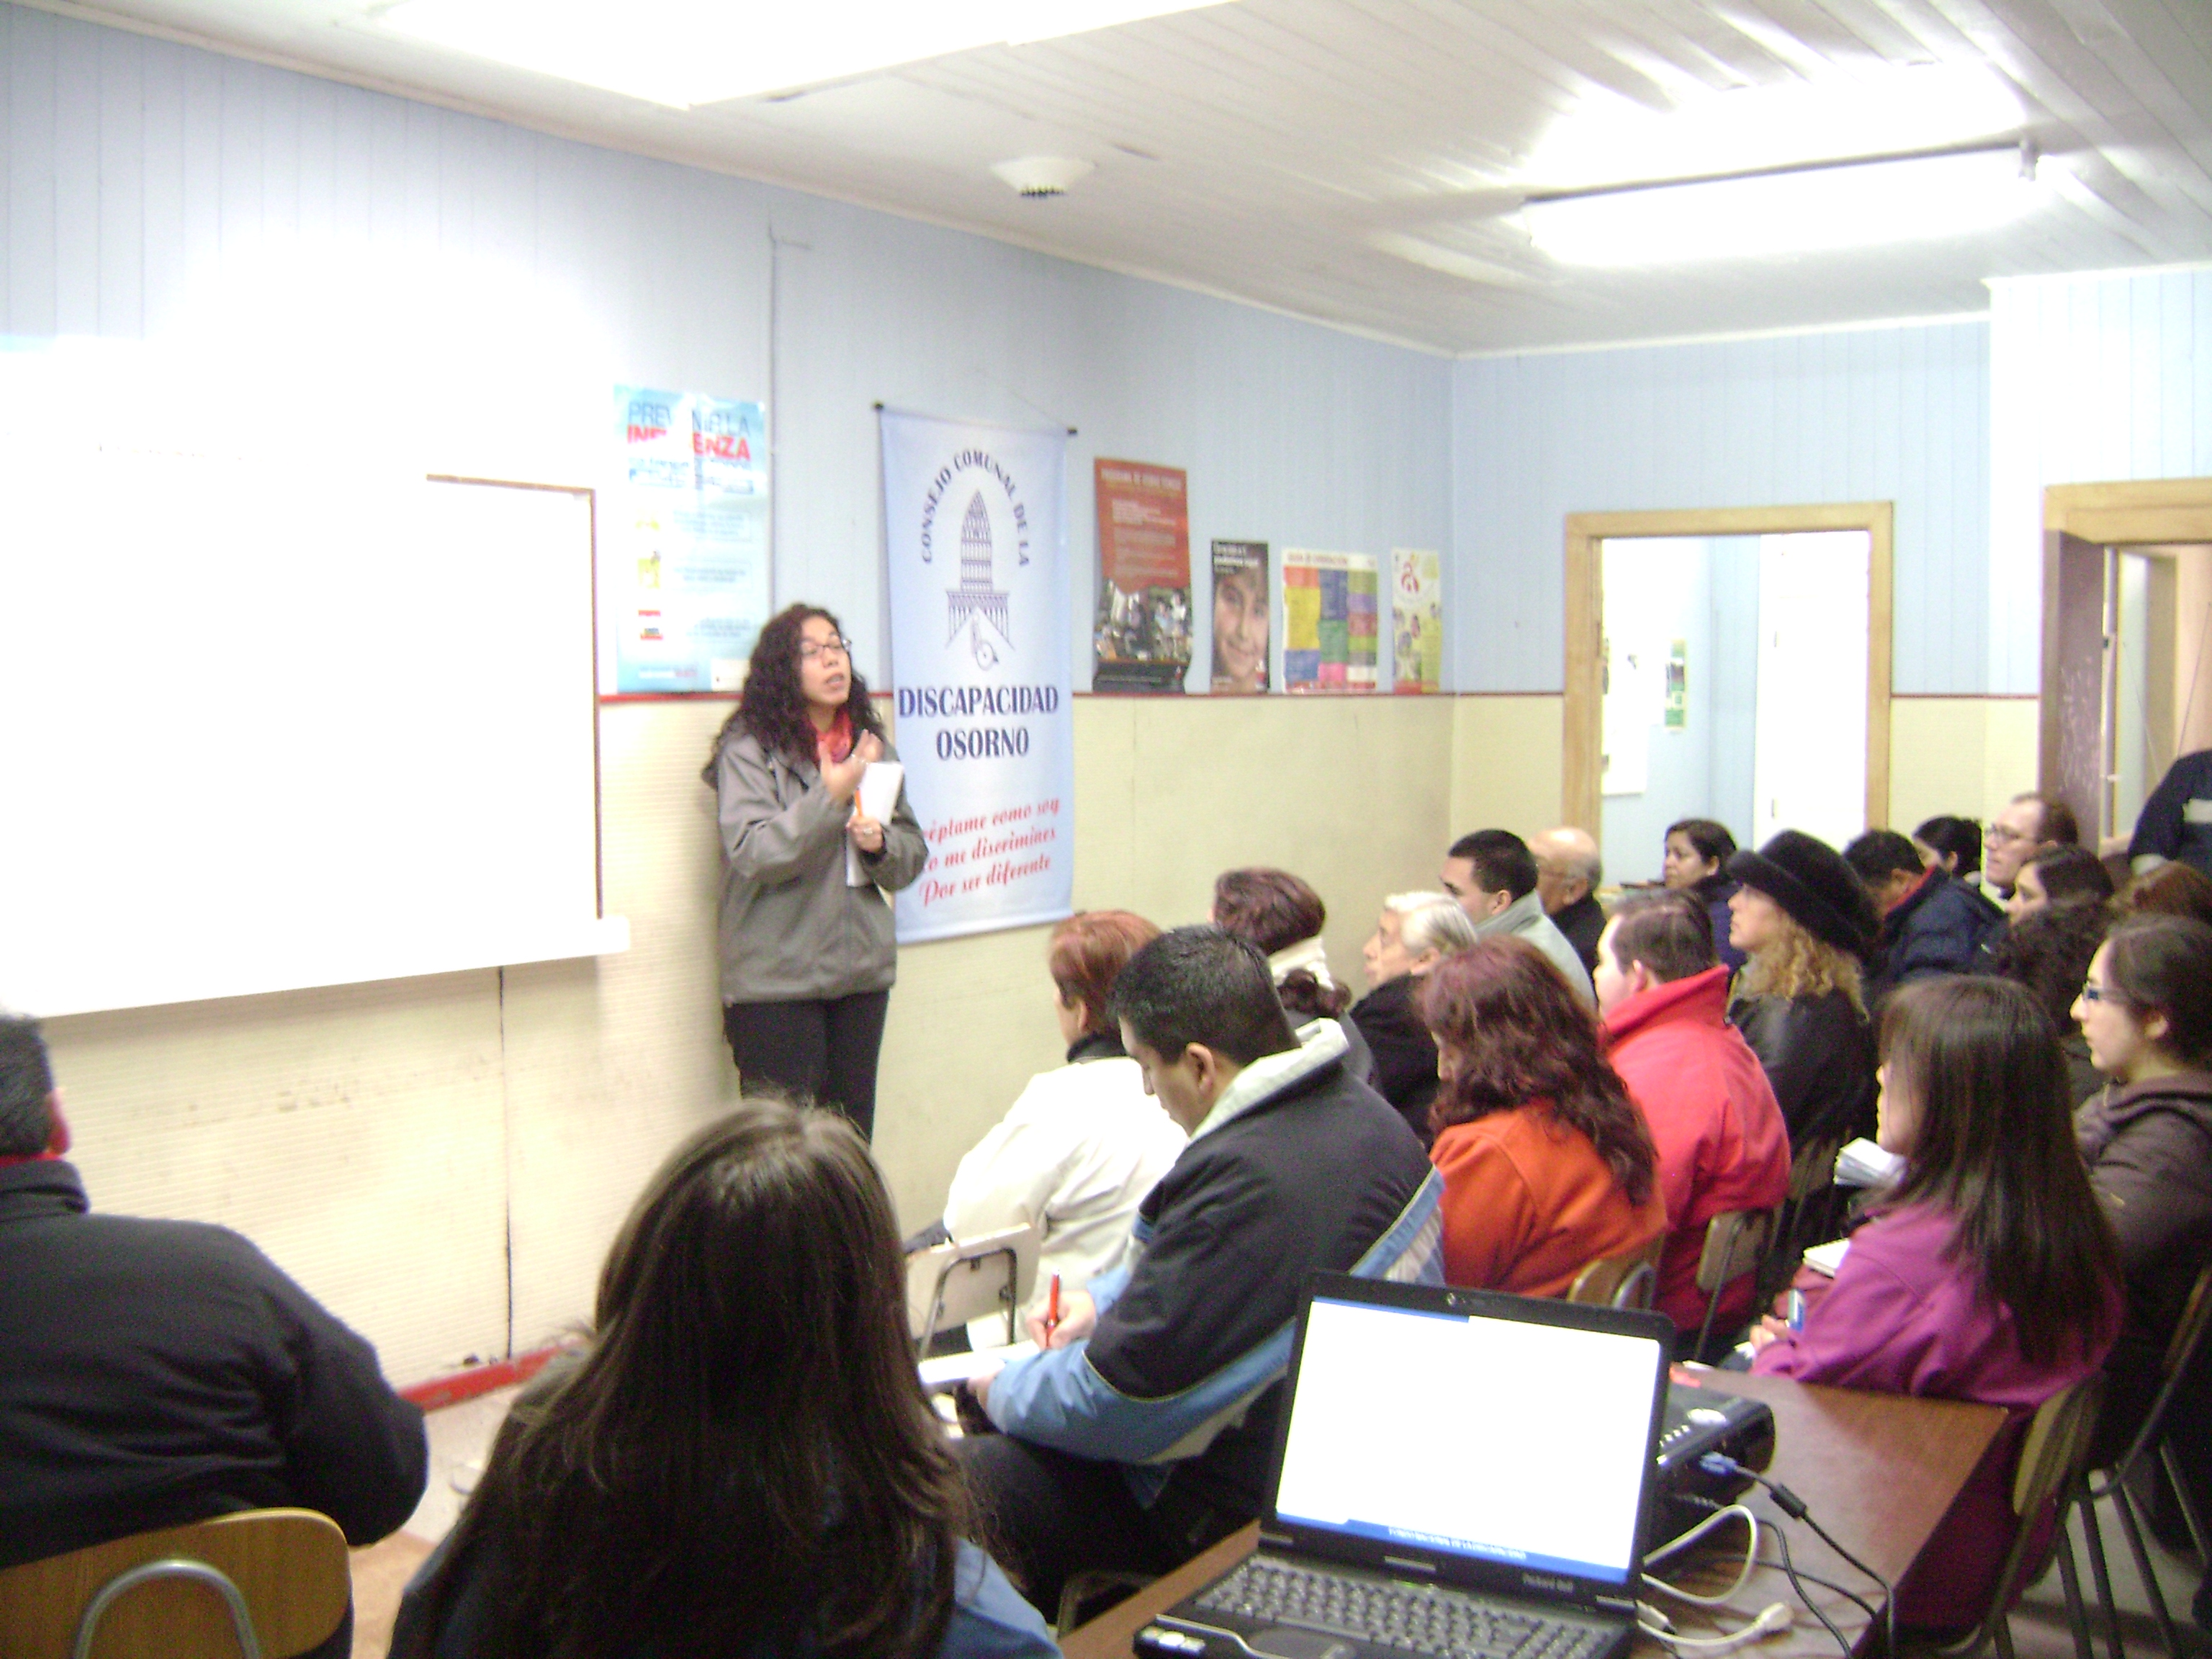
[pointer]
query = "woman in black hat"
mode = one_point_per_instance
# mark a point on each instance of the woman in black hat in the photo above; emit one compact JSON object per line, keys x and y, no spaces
{"x":1802,"y":917}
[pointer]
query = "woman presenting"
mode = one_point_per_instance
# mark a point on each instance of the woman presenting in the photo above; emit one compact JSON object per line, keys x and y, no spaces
{"x":805,"y":942}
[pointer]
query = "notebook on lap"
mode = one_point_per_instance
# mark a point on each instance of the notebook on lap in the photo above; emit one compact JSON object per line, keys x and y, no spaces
{"x":1457,"y":1473}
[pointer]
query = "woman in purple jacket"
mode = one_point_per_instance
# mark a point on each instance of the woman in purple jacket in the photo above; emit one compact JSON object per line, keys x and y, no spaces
{"x":1987,"y":1272}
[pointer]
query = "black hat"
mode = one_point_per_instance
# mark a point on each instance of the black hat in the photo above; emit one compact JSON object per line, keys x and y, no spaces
{"x":1809,"y":880}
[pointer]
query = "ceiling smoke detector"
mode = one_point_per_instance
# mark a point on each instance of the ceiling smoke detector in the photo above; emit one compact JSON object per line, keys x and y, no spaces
{"x":1039,"y":176}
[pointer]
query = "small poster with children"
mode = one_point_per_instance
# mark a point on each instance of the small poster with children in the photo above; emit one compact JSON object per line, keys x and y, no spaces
{"x":1142,"y":634}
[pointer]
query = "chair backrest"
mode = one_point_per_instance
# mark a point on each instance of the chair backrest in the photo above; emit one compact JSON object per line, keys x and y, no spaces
{"x":1735,"y":1244}
{"x":289,"y":1565}
{"x":2189,"y":1332}
{"x":1813,"y":1170}
{"x":1617,"y":1281}
{"x":950,"y":1284}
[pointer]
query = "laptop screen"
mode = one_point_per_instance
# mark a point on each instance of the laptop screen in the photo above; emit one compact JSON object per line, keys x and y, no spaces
{"x":1496,"y":1440}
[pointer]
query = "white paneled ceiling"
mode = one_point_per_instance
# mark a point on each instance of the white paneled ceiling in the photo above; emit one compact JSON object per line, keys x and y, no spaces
{"x":1363,"y":162}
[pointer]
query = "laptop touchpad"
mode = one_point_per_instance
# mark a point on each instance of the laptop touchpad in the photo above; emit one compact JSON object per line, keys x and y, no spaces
{"x":1282,"y":1643}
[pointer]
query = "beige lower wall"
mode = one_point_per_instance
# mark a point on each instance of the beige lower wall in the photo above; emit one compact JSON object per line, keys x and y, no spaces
{"x":1962,"y":756}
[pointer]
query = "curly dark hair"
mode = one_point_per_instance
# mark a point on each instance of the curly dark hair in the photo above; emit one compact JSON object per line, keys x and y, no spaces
{"x":2048,"y":952}
{"x":773,"y":708}
{"x":1515,"y":1033}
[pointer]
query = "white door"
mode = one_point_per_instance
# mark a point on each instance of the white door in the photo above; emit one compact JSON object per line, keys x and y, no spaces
{"x":1808,"y":767}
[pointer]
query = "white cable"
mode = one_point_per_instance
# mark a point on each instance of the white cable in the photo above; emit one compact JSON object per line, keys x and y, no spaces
{"x":1772,"y":1619}
{"x":1743,"y":1576}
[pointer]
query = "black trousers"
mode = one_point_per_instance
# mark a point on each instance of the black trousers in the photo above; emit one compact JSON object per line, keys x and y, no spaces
{"x":825,"y":1050}
{"x":1047,"y":1515}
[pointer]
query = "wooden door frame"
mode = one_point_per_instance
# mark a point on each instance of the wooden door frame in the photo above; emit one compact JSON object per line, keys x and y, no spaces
{"x":2144,"y":511}
{"x":1583,"y":758}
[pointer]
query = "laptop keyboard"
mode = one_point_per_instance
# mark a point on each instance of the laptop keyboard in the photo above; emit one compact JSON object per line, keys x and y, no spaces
{"x":1416,"y":1618}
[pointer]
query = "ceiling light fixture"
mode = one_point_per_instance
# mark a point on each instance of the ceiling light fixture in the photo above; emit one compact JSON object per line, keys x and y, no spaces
{"x":687,"y":52}
{"x":1789,"y":210}
{"x":1037,"y":177}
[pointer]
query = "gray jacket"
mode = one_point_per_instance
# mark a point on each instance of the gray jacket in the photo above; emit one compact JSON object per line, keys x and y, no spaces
{"x":791,"y":930}
{"x":1525,"y":919}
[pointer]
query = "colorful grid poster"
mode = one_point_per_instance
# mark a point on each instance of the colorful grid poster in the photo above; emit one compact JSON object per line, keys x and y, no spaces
{"x":1330,"y":613}
{"x":683,"y":577}
{"x":1417,"y":616}
{"x":1142,"y":631}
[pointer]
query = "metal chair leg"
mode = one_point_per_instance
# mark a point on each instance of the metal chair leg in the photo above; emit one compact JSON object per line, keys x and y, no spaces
{"x":2077,"y":1616}
{"x":2166,"y":1630}
{"x":2195,"y":1522}
{"x":2093,"y":1536}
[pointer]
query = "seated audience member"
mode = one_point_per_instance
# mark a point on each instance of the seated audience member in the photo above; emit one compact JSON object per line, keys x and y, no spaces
{"x":1568,"y":871}
{"x":1547,"y":1164}
{"x":1953,"y":845}
{"x":1284,"y":916}
{"x":2048,"y":954}
{"x":1415,"y":932}
{"x":2171,"y":890}
{"x":1931,"y":924}
{"x":1721,"y":1141}
{"x":2146,"y":1008}
{"x":1082,"y":1144}
{"x":1492,"y":874}
{"x":1802,"y":918}
{"x":2055,"y":875}
{"x":1696,"y":862}
{"x":155,"y":1373}
{"x":1143,"y":1433}
{"x":2029,"y":824}
{"x":2176,"y":822}
{"x":742,"y":1463}
{"x":1986,"y":1273}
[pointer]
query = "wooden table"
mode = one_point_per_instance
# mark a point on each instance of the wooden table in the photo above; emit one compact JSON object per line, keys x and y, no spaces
{"x":1877,"y":1470}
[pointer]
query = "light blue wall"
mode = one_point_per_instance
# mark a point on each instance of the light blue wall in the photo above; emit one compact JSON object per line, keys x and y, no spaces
{"x":1889,"y":413}
{"x":143,"y":180}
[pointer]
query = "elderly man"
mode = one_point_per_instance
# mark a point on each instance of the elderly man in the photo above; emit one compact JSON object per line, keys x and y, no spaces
{"x":2029,"y":826}
{"x":1492,"y":874}
{"x":1568,"y":871}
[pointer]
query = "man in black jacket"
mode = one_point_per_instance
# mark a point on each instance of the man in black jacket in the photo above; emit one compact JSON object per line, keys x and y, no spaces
{"x":155,"y":1373}
{"x":1930,"y":923}
{"x":1143,"y":1433}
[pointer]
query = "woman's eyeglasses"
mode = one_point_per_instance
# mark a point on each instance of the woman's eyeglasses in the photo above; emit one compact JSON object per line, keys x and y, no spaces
{"x":2092,"y":992}
{"x":809,"y":650}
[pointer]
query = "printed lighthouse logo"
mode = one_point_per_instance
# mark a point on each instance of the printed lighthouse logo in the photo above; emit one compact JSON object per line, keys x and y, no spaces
{"x":976,"y":601}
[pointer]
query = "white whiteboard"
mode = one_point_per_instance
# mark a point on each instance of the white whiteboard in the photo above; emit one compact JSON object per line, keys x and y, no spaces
{"x":266,"y":726}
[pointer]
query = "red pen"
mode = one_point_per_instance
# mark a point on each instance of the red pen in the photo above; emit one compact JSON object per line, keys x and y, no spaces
{"x":1052,"y":1309}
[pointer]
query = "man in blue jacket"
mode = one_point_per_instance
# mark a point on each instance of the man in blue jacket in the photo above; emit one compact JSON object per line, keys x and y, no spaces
{"x":1143,"y":1433}
{"x":1930,"y":923}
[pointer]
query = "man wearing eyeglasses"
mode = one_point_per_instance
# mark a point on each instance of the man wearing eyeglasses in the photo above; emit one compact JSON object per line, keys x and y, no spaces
{"x":2029,"y":826}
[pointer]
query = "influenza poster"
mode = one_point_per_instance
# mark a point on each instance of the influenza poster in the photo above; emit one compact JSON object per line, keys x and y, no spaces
{"x":683,"y":575}
{"x":1141,"y":639}
{"x":1330,"y":617}
{"x":1240,"y":617}
{"x":980,"y":664}
{"x":1417,"y":613}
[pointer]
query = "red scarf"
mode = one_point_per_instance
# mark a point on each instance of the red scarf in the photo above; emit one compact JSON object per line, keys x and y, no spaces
{"x":12,"y":1160}
{"x":833,"y":745}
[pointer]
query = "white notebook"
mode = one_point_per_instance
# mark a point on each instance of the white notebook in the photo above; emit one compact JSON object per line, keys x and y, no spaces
{"x":877,"y":798}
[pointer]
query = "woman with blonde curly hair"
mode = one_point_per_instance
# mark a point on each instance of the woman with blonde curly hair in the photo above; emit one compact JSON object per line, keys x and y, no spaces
{"x":1802,"y":918}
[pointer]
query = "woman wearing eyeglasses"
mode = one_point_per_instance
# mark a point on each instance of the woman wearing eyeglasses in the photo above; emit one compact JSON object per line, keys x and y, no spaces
{"x":807,"y":958}
{"x":2145,"y":1009}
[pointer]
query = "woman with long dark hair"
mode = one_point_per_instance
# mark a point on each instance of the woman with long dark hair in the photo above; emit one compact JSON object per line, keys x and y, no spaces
{"x":1695,"y":861}
{"x":1986,"y":1273}
{"x":807,"y":957}
{"x":1547,"y":1163}
{"x":743,"y":1463}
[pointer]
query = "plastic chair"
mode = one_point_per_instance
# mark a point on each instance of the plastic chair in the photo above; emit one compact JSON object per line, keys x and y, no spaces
{"x":263,"y":1583}
{"x":1736,"y":1243}
{"x":1627,"y":1280}
{"x":2053,"y":1456}
{"x":2188,"y":1339}
{"x":952,"y":1284}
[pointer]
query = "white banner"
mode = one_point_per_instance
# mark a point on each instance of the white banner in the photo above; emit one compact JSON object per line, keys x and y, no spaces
{"x":975,"y":533}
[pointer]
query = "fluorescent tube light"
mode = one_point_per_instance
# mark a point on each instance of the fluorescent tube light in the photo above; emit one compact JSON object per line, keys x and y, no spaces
{"x":1853,"y":205}
{"x":1893,"y":110}
{"x":687,"y":52}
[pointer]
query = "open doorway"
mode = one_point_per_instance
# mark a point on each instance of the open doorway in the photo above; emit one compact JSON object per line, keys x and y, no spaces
{"x":2127,"y":643}
{"x":1704,"y":654}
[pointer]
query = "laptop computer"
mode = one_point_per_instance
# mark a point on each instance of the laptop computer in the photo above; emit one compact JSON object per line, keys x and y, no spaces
{"x":1457,"y":1473}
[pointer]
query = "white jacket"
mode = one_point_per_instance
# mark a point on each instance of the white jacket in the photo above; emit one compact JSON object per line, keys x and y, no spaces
{"x":1074,"y":1157}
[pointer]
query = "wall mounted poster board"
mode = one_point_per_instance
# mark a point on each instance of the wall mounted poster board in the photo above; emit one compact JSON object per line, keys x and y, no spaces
{"x":981,"y":661}
{"x":1240,"y":617}
{"x":1142,"y":638}
{"x":1330,"y":617}
{"x":1417,"y":612}
{"x":683,"y":573}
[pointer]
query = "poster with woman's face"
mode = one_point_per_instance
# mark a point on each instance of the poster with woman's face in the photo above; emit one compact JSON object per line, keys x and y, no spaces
{"x":1240,"y":616}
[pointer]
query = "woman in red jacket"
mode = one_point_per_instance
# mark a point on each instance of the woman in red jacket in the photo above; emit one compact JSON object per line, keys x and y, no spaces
{"x":1547,"y":1163}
